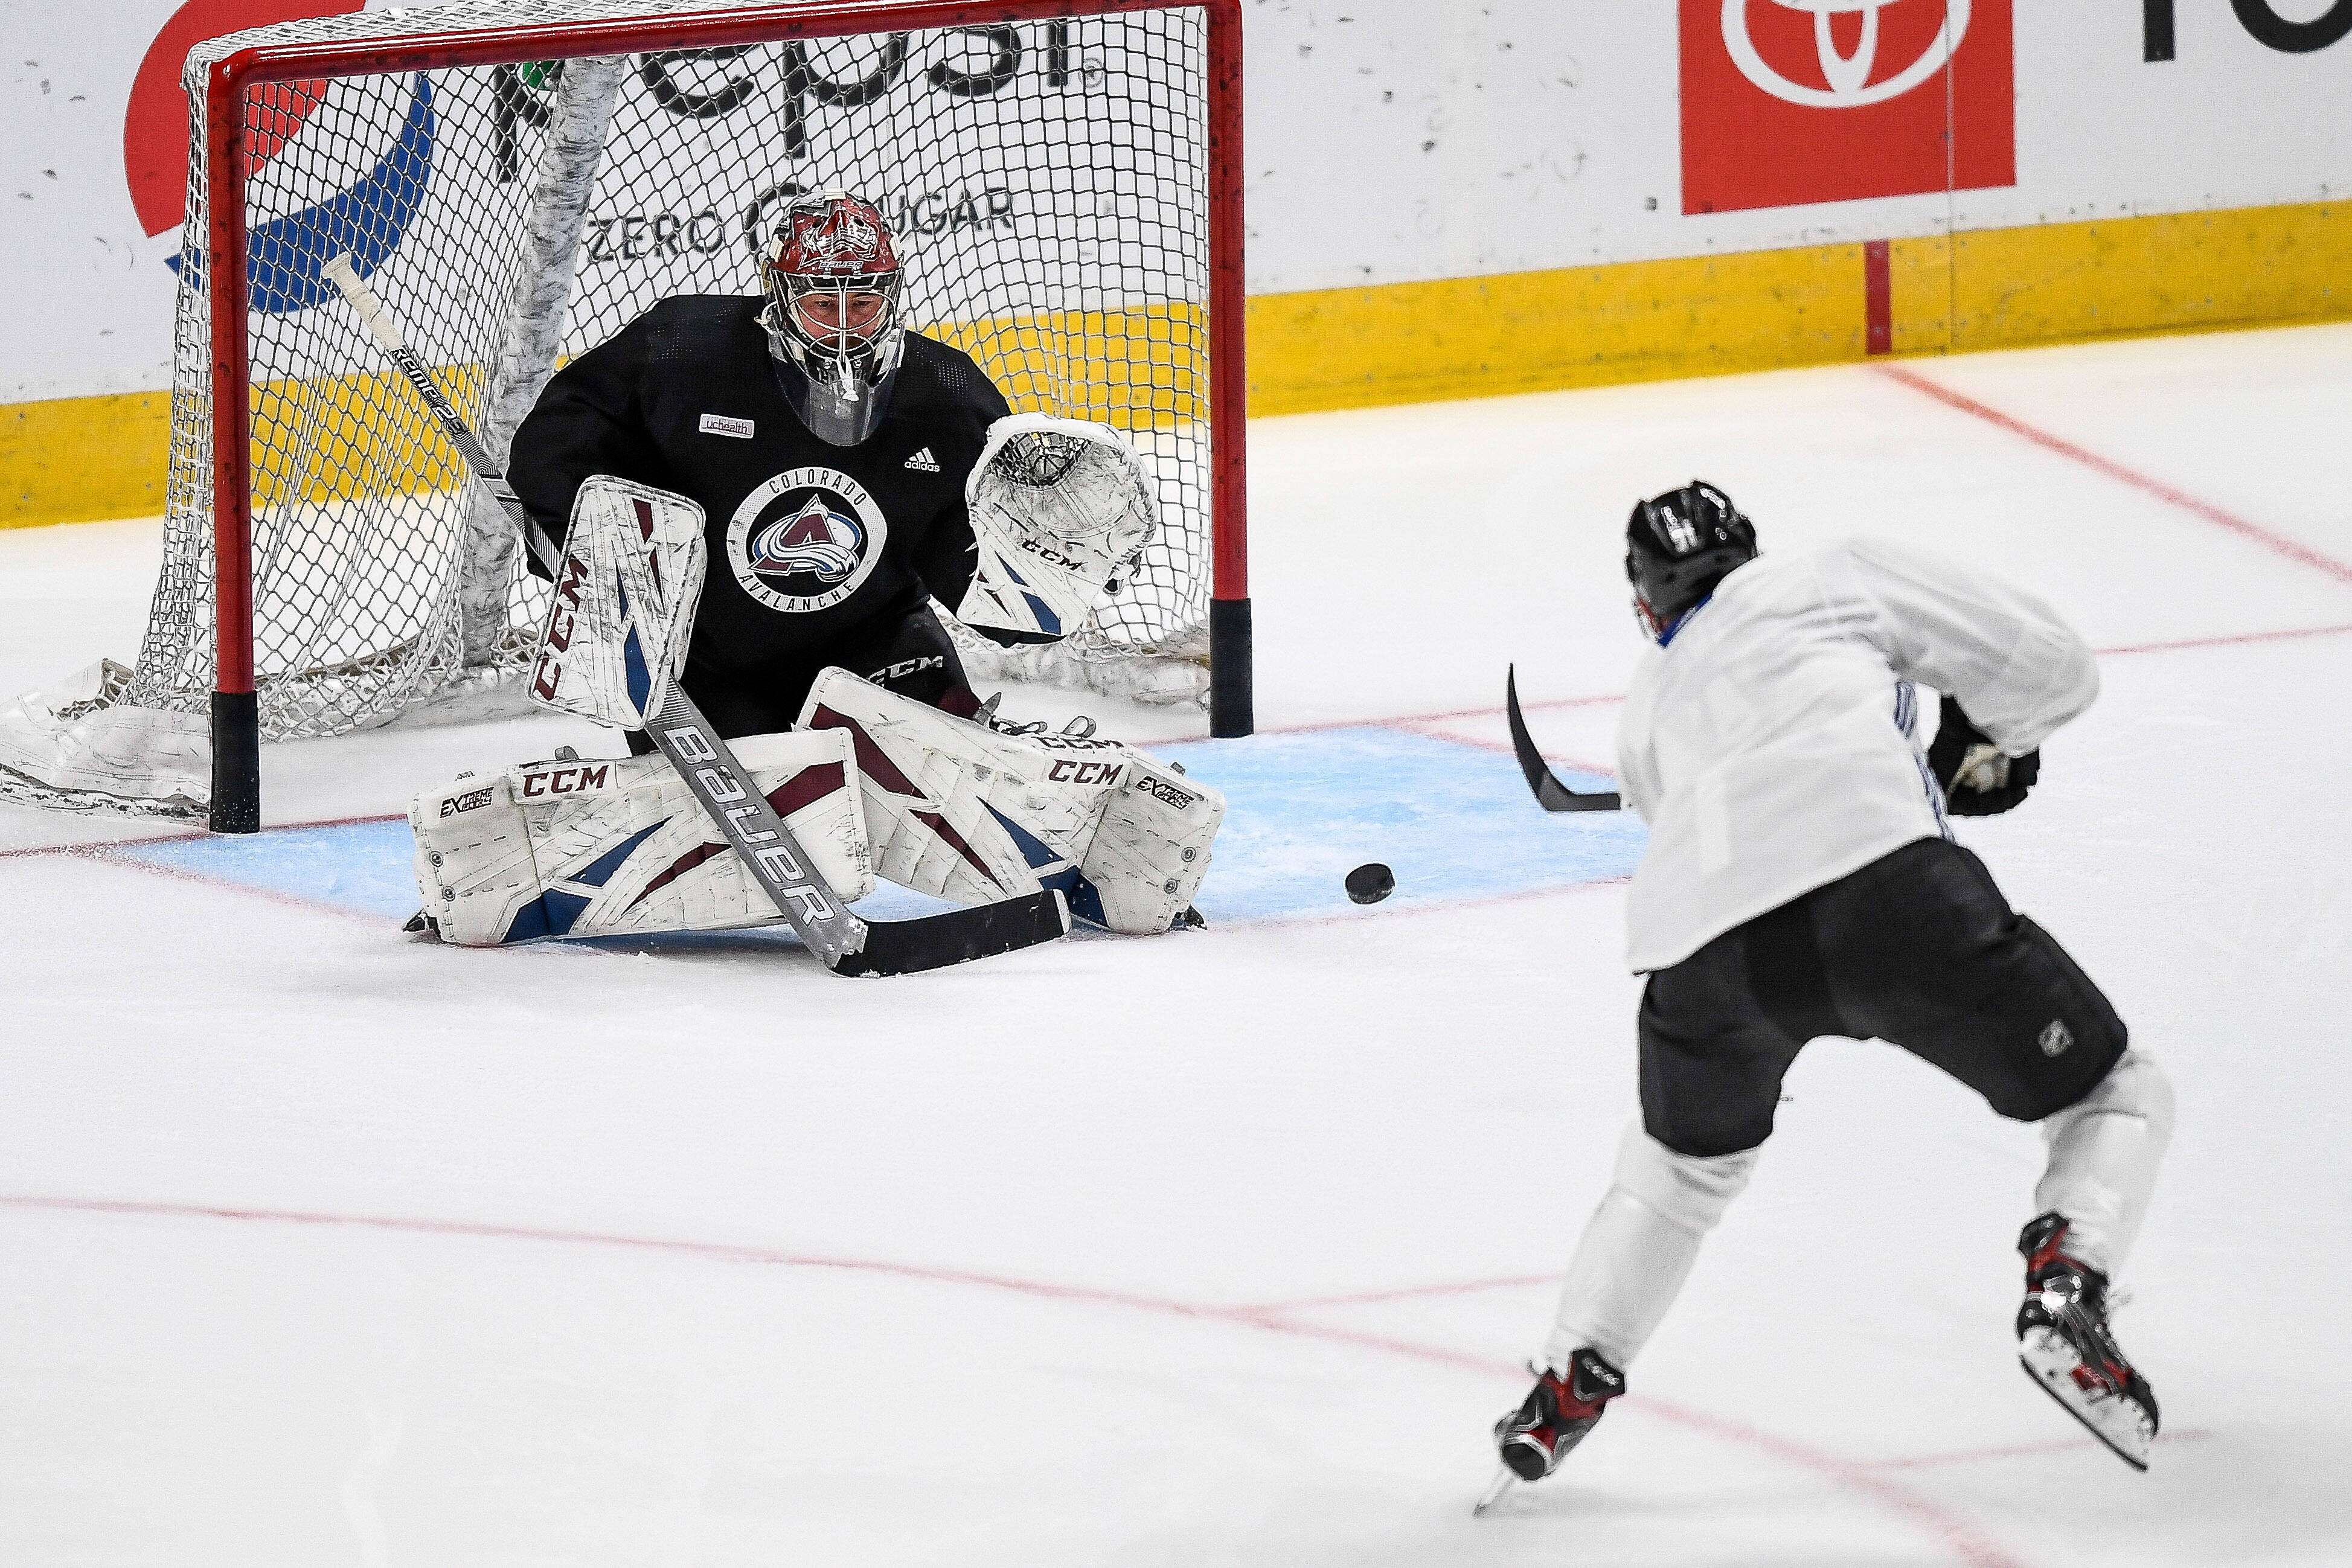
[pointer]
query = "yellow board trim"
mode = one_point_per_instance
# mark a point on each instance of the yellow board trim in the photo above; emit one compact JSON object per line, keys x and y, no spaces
{"x":2183,"y":272}
{"x":79,"y":459}
{"x":82,"y":459}
{"x":1533,"y":332}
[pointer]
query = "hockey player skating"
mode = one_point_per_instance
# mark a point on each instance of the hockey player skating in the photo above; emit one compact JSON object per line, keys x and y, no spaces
{"x":1801,"y":881}
{"x":824,"y":471}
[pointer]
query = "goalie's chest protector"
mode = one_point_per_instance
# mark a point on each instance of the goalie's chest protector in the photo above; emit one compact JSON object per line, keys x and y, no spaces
{"x":809,"y":542}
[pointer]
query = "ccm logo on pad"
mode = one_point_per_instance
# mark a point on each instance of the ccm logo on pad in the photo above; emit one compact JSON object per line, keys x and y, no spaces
{"x":564,"y":781}
{"x":1070,"y":770}
{"x":724,"y":424}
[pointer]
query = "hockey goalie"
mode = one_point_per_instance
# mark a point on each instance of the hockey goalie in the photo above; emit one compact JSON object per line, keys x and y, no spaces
{"x":841,"y":471}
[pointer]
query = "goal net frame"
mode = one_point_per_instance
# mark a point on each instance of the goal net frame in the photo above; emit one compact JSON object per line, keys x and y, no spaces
{"x":230,"y":81}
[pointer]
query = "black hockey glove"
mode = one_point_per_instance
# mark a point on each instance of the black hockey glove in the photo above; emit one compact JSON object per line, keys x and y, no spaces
{"x":1979,"y":779}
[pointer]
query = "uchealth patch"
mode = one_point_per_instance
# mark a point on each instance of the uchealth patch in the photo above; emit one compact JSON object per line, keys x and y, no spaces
{"x":727,"y":424}
{"x":806,"y":539}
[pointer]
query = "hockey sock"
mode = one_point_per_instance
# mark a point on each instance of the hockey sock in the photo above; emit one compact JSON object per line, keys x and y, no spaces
{"x":1639,"y":1247}
{"x":2103,"y":1154}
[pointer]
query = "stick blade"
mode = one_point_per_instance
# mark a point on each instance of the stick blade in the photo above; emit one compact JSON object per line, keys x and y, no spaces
{"x":959,"y":936}
{"x":1550,"y":793}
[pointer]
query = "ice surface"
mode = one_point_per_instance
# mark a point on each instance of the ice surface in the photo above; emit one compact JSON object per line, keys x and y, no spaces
{"x":319,"y":1246}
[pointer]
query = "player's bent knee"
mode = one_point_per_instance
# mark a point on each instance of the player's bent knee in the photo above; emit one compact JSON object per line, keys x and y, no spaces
{"x":574,"y":847}
{"x":1690,"y":1190}
{"x":2135,"y":1086}
{"x":2058,"y":1036}
{"x":2050,"y":1080}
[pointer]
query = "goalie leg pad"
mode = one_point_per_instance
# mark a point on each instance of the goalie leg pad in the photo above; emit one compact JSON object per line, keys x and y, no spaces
{"x":966,"y":812}
{"x":1150,"y":850}
{"x":568,"y":848}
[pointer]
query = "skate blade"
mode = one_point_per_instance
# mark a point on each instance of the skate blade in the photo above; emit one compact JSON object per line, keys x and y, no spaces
{"x":2115,"y":1421}
{"x":1503,"y":1481}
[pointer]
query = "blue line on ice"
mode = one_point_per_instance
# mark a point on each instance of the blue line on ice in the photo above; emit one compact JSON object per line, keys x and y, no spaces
{"x":1453,"y":822}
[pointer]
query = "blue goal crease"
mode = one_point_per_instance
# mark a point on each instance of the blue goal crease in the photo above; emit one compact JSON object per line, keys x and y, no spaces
{"x":1454,"y":822}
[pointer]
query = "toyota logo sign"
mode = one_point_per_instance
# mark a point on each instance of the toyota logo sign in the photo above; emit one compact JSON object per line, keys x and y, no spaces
{"x":1848,"y":75}
{"x":1786,"y":102}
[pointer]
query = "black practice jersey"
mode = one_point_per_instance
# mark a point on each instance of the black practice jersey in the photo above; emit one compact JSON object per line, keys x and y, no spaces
{"x":812,"y":545}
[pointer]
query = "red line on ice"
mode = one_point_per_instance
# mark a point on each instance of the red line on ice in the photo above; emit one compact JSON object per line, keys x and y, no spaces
{"x":1965,"y":1541}
{"x":2228,"y":640}
{"x":2171,"y":496}
{"x":1603,"y":699}
{"x":1408,"y":1293}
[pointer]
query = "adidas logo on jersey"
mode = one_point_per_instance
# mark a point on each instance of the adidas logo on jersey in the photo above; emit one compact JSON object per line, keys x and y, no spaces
{"x":923,"y":461}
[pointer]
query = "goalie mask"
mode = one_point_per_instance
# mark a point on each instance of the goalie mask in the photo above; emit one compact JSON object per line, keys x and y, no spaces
{"x":832,"y":279}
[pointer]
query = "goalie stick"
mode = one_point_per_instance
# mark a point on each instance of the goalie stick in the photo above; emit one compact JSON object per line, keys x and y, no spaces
{"x":1550,"y":793}
{"x":848,"y":943}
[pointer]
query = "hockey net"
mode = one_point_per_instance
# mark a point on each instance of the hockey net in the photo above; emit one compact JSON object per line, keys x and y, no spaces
{"x":1048,"y":181}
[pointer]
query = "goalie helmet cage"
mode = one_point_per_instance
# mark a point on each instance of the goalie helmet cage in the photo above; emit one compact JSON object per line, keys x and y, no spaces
{"x":522,"y":178}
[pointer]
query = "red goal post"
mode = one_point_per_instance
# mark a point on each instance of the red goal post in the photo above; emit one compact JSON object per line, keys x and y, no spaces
{"x":232,"y":82}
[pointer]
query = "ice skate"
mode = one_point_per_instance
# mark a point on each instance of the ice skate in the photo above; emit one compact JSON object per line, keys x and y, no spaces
{"x":1559,"y":1412}
{"x":2066,"y":1346}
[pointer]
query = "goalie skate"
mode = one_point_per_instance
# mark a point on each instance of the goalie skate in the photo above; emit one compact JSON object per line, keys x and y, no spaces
{"x":2070,"y":1352}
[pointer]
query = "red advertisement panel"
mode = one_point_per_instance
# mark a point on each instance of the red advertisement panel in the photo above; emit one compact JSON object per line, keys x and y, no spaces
{"x":1786,"y":102}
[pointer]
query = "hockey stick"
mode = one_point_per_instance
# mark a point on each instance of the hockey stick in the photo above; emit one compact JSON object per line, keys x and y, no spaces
{"x":848,"y":944}
{"x":1550,"y":793}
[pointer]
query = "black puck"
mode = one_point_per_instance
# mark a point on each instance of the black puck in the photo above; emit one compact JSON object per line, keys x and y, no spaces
{"x":1370,"y":883}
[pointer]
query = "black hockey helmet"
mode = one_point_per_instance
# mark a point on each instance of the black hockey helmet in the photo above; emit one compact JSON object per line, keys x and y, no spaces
{"x":1678,"y":546}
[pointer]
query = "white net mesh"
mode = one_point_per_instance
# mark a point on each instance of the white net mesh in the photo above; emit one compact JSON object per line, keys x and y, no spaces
{"x":1048,"y":182}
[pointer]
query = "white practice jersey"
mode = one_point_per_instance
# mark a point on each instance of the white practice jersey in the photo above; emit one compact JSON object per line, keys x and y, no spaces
{"x":1773,"y":744}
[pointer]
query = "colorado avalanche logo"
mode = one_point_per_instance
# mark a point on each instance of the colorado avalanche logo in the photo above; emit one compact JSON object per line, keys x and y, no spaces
{"x":815,"y":540}
{"x":806,"y":539}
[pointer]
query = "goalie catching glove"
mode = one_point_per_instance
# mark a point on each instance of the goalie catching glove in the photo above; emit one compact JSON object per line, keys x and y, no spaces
{"x":568,"y":848}
{"x":975,"y":814}
{"x":1061,"y":509}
